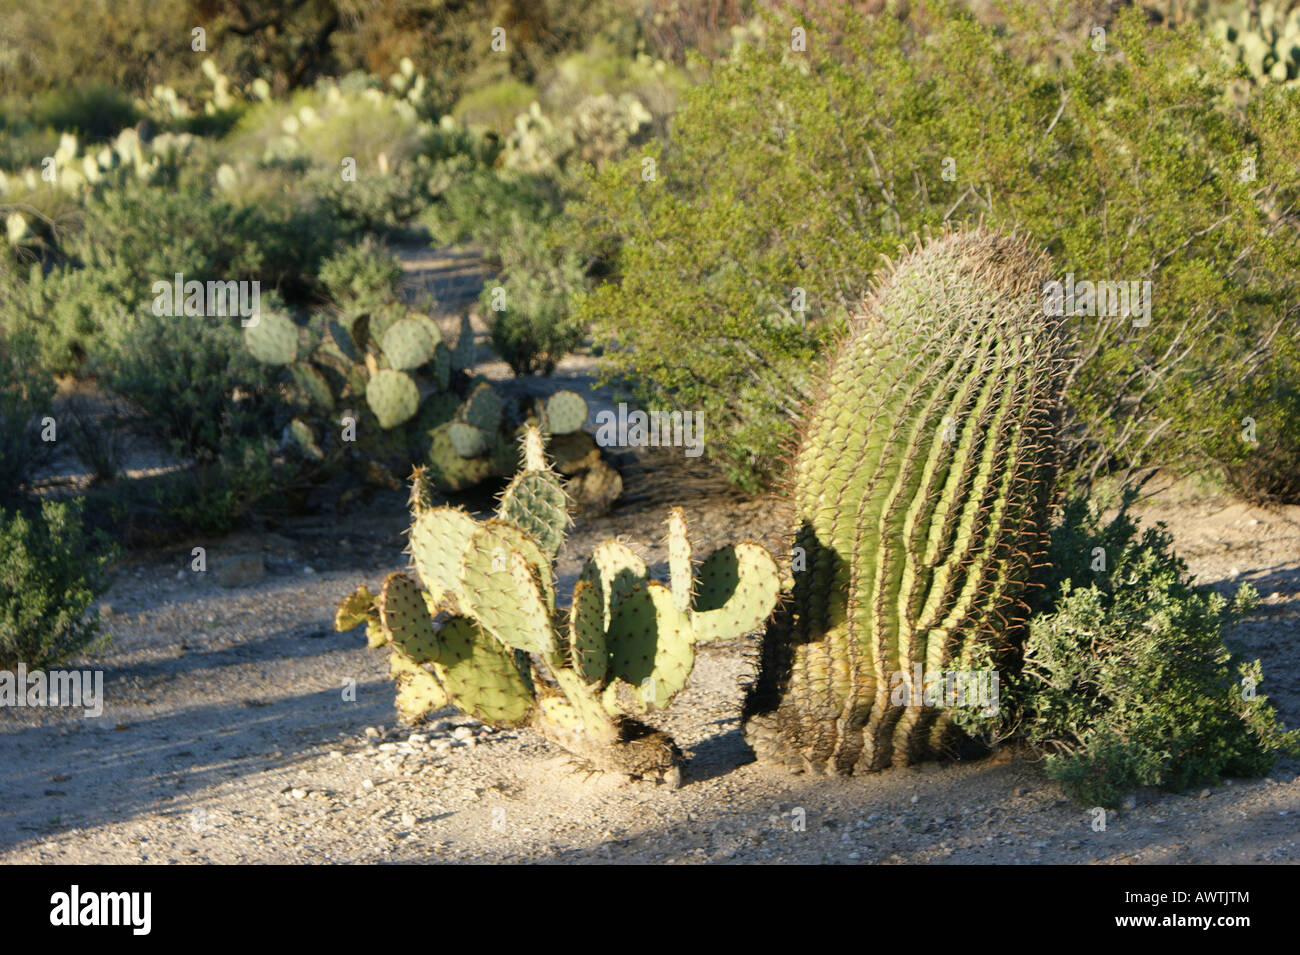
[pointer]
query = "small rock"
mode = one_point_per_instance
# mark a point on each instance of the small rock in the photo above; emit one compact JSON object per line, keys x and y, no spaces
{"x":387,"y":747}
{"x":299,"y":794}
{"x":855,"y":855}
{"x":367,"y":784}
{"x":1204,"y":793}
{"x":372,"y":732}
{"x":462,"y":733}
{"x":1129,"y":802}
{"x":308,"y":570}
{"x":916,"y":799}
{"x":240,"y":570}
{"x":417,"y":739}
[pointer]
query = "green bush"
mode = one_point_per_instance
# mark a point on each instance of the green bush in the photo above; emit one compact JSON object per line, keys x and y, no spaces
{"x":360,"y":276}
{"x":536,"y":328}
{"x":1126,"y":679}
{"x":51,"y":570}
{"x":25,"y":393}
{"x":788,"y":174}
{"x":193,"y":384}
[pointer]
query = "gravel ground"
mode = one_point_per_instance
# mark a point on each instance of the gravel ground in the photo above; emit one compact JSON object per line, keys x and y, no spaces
{"x":226,"y":735}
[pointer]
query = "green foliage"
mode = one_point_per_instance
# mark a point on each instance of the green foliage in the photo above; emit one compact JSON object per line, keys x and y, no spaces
{"x":536,"y":327}
{"x":1127,"y":681}
{"x":787,"y":175}
{"x":25,"y":393}
{"x":920,"y":491}
{"x":192,"y":383}
{"x":51,"y":570}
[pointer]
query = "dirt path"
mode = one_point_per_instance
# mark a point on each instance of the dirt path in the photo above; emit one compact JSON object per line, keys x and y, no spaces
{"x":226,"y":737}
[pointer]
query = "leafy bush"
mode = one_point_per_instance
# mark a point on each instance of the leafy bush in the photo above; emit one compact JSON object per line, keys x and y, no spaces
{"x":360,"y":276}
{"x":25,"y":393}
{"x":788,"y":174}
{"x":1126,"y":680}
{"x":535,"y":329}
{"x":51,"y":570}
{"x":193,"y":382}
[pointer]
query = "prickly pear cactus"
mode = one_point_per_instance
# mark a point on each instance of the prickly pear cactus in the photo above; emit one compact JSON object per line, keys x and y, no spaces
{"x":921,"y":489}
{"x":481,"y":629}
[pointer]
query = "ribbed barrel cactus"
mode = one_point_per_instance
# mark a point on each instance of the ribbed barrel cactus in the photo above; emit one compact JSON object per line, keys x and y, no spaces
{"x":485,"y":632}
{"x":921,"y":490}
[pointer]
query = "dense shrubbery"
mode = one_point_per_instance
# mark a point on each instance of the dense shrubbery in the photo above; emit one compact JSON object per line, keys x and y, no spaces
{"x":25,"y":393}
{"x":51,"y":570}
{"x":788,"y":174}
{"x":1127,"y":681}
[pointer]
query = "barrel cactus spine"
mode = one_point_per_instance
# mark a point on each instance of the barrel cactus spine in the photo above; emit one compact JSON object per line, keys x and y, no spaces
{"x":921,"y":488}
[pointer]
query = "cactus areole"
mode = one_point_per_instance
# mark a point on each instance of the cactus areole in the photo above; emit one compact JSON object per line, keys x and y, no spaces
{"x":921,"y":490}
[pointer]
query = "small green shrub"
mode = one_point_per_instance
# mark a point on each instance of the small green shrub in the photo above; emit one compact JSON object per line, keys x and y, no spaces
{"x":1126,"y":679}
{"x":51,"y":570}
{"x":536,"y":328}
{"x":25,"y":393}
{"x":360,"y":276}
{"x":193,"y":383}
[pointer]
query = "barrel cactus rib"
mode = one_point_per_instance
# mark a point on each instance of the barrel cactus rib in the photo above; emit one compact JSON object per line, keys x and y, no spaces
{"x":921,"y":489}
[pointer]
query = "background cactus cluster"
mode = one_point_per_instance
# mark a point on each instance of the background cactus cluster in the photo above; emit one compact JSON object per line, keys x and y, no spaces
{"x":921,"y":492}
{"x":487,"y":635}
{"x":1268,"y":44}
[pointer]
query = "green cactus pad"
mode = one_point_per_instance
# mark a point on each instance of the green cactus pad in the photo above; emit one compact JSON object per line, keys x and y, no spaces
{"x":313,"y":385}
{"x":341,"y":339}
{"x":403,"y":613}
{"x":482,"y":408}
{"x":442,"y":367}
{"x":355,"y":609}
{"x":304,"y":440}
{"x":463,"y":355}
{"x":588,"y":653}
{"x":393,"y":397}
{"x":651,"y":640}
{"x":587,"y":705}
{"x":468,"y":440}
{"x":418,"y":692}
{"x":407,"y":344}
{"x":566,"y":412}
{"x":535,"y":503}
{"x":447,"y":469}
{"x":482,"y":676}
{"x":383,"y":318}
{"x":438,"y":540}
{"x":501,"y":592}
{"x":497,"y":538}
{"x":615,"y":570}
{"x":679,"y":560}
{"x":273,"y":340}
{"x":738,"y":588}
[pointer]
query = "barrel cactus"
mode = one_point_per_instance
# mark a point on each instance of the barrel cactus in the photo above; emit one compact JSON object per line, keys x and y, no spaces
{"x":486,"y":634}
{"x":921,"y":488}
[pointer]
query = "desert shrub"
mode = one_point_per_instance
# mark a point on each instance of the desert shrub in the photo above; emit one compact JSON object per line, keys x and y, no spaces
{"x":360,"y":276}
{"x":66,"y":308}
{"x":480,"y":205}
{"x":25,"y":393}
{"x":787,"y":175}
{"x":192,"y":384}
{"x":1127,"y":681}
{"x":51,"y":570}
{"x":536,"y":327}
{"x":495,"y":105}
{"x":96,"y":110}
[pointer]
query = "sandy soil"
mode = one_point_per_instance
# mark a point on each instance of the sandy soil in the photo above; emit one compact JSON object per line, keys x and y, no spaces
{"x":229,"y":736}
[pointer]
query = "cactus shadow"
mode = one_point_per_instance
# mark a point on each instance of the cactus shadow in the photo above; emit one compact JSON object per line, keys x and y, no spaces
{"x":718,"y":755}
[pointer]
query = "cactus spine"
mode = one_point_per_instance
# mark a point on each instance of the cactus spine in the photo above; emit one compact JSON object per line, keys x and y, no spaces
{"x":921,"y":488}
{"x":486,"y":635}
